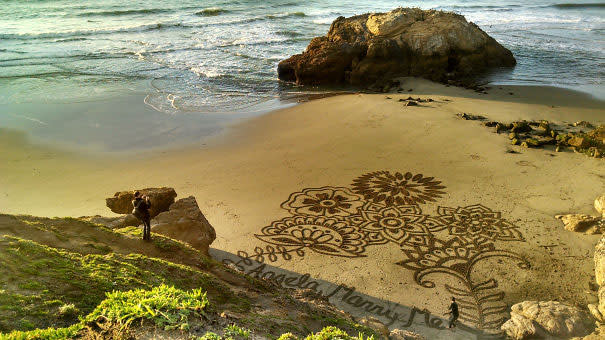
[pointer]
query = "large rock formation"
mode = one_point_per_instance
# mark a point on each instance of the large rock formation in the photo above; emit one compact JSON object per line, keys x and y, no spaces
{"x":541,"y":319}
{"x":185,"y":222}
{"x":161,"y":199}
{"x":404,"y":42}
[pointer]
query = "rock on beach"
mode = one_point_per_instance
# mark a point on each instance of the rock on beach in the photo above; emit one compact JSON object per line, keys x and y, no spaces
{"x":363,"y":49}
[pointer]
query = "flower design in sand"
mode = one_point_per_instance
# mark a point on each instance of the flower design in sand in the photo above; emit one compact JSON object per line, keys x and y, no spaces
{"x":397,"y":188}
{"x":323,"y":235}
{"x":476,"y":223}
{"x":325,"y":201}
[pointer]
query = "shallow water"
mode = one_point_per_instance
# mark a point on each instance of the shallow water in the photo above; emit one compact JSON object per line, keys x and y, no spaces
{"x":221,"y":56}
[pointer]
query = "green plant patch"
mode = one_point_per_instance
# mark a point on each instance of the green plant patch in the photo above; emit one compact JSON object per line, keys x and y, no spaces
{"x":166,"y":306}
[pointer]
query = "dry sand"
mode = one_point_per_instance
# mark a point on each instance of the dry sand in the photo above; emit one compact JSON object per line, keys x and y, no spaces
{"x":241,"y":177}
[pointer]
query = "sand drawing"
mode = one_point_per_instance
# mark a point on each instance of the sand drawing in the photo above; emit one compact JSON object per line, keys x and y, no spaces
{"x":382,"y":208}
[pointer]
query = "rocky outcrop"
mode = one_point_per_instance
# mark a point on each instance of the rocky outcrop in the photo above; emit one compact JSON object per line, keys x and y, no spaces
{"x":161,"y":199}
{"x":540,"y":133}
{"x":363,"y":49}
{"x":185,"y":221}
{"x":542,"y":319}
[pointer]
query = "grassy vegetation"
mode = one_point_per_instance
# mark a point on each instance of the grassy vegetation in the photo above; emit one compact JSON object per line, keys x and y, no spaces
{"x":39,"y":282}
{"x":164,"y":306}
{"x":347,"y":324}
{"x":334,"y":333}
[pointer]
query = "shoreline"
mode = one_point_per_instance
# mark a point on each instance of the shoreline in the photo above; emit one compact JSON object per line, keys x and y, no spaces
{"x":182,"y":131}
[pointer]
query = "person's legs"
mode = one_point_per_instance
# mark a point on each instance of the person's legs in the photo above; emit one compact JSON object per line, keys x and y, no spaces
{"x":451,"y":321}
{"x":147,"y":229}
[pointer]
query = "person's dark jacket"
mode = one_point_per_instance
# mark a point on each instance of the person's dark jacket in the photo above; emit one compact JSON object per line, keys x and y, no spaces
{"x":454,"y":308}
{"x":142,"y":206}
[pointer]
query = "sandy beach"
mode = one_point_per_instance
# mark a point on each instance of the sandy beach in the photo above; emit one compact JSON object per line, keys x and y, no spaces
{"x":241,"y":177}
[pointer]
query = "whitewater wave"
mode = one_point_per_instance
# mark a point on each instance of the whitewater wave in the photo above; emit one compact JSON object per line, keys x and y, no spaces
{"x":213,"y":11}
{"x":285,"y":15}
{"x":76,"y":33}
{"x":125,"y":12}
{"x":578,"y":6}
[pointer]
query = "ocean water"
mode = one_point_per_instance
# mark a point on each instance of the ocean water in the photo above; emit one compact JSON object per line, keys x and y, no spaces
{"x":219,"y":56}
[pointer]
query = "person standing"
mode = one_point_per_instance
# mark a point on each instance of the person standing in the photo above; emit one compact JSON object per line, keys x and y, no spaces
{"x":141,"y":205}
{"x":453,"y":311}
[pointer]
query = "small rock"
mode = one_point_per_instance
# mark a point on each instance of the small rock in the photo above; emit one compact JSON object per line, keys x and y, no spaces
{"x":375,"y":324}
{"x":512,"y":135}
{"x":501,"y":127}
{"x":559,"y":148}
{"x":410,"y":90}
{"x":583,"y":123}
{"x":515,"y":141}
{"x":599,"y":204}
{"x":578,"y":222}
{"x":602,"y":300}
{"x":594,"y":310}
{"x":400,"y":334}
{"x":521,"y":127}
{"x":411,"y":103}
{"x":388,"y":97}
{"x":467,"y":116}
{"x":599,"y":264}
{"x":578,"y":142}
{"x":533,"y":143}
{"x":490,"y":124}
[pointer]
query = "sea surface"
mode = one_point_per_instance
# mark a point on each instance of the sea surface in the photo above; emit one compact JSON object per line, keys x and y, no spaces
{"x":220,"y":57}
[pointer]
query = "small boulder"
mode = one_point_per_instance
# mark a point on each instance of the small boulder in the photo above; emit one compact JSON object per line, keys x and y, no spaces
{"x":185,"y":222}
{"x":534,"y":318}
{"x":400,"y":334}
{"x":411,"y":103}
{"x":161,"y":199}
{"x":578,"y":222}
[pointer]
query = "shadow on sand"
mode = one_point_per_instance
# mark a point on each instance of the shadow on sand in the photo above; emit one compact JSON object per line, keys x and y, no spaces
{"x":392,"y":314}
